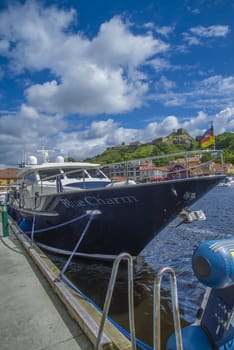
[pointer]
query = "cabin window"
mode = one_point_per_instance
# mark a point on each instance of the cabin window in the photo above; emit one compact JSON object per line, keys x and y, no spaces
{"x":75,"y":174}
{"x":96,"y":173}
{"x":31,"y":177}
{"x":49,"y":174}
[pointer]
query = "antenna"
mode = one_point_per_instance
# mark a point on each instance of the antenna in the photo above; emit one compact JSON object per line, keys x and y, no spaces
{"x":45,"y":154}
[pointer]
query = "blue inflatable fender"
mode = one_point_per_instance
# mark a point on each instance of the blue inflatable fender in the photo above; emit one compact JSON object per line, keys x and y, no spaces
{"x":194,"y":338}
{"x":24,"y":225}
{"x":213,"y":263}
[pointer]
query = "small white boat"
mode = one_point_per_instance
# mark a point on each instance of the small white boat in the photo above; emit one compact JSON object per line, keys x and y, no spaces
{"x":228,"y":182}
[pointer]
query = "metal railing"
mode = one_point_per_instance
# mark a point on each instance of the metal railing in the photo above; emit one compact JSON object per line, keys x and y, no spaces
{"x":131,"y":171}
{"x":192,"y":163}
{"x":128,"y":257}
{"x":175,"y":308}
{"x":156,"y":304}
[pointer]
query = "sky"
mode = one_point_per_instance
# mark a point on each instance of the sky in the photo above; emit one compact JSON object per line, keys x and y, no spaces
{"x":79,"y":76}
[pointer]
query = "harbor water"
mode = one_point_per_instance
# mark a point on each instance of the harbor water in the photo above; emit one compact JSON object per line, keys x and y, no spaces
{"x":173,"y":247}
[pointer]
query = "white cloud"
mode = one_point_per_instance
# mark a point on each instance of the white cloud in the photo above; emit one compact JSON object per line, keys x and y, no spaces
{"x":197,"y":35}
{"x":161,"y":64}
{"x":116,"y":45}
{"x":196,"y":11}
{"x":33,"y":33}
{"x":25,"y":131}
{"x":165,"y":84}
{"x":224,"y":120}
{"x":105,"y":74}
{"x":191,"y":39}
{"x":218,"y":84}
{"x":211,"y":31}
{"x":4,"y":46}
{"x":89,"y":76}
{"x":213,"y":92}
{"x":168,"y":124}
{"x":95,"y":91}
{"x":101,"y":129}
{"x":165,"y":30}
{"x":22,"y":134}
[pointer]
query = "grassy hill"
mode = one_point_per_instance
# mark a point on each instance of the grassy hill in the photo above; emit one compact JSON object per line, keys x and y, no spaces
{"x":177,"y":141}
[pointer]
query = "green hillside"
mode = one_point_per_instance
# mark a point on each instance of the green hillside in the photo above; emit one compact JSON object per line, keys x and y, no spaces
{"x":175,"y":142}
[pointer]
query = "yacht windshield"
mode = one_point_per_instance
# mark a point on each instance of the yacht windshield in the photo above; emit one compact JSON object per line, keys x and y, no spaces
{"x":97,"y":173}
{"x":75,"y":174}
{"x":49,"y":174}
{"x":31,"y":177}
{"x":84,"y":173}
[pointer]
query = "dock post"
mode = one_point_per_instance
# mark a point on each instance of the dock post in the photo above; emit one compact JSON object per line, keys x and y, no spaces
{"x":5,"y":228}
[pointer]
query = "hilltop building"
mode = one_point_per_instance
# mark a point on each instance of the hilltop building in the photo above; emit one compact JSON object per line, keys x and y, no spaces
{"x":179,"y":136}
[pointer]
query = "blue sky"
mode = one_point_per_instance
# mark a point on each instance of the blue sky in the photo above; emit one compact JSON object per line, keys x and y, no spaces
{"x":78,"y":76}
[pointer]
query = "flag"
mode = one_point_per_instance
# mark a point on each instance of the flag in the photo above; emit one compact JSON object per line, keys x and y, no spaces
{"x":208,"y":138}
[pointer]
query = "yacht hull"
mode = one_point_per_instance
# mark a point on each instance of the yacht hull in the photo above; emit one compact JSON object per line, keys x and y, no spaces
{"x":125,"y":218}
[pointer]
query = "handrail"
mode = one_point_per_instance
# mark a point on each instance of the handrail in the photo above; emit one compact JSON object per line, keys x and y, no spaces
{"x":192,"y":170}
{"x":128,"y":257}
{"x":136,"y":163}
{"x":168,"y":155}
{"x":175,"y":309}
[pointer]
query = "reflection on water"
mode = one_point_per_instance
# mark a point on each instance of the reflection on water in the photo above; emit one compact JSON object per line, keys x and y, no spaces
{"x":173,"y":247}
{"x":92,"y":278}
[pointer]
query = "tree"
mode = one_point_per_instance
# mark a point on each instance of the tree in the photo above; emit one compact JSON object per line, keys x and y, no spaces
{"x":70,"y":159}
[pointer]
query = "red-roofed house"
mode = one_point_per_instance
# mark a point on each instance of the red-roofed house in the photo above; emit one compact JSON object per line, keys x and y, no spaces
{"x":7,"y":177}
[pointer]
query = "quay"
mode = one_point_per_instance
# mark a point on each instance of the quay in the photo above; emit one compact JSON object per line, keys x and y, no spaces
{"x":40,"y":313}
{"x":32,"y":316}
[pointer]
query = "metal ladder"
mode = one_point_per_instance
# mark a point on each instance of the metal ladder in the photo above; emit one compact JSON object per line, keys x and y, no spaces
{"x":156,"y":304}
{"x":128,"y":257}
{"x":175,"y":308}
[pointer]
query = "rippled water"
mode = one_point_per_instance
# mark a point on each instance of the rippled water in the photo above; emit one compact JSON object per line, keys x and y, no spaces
{"x":173,"y":247}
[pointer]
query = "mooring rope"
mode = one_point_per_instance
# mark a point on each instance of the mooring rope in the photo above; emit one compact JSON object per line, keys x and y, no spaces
{"x":61,"y":277}
{"x":59,"y":225}
{"x":32,"y":232}
{"x":77,"y":244}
